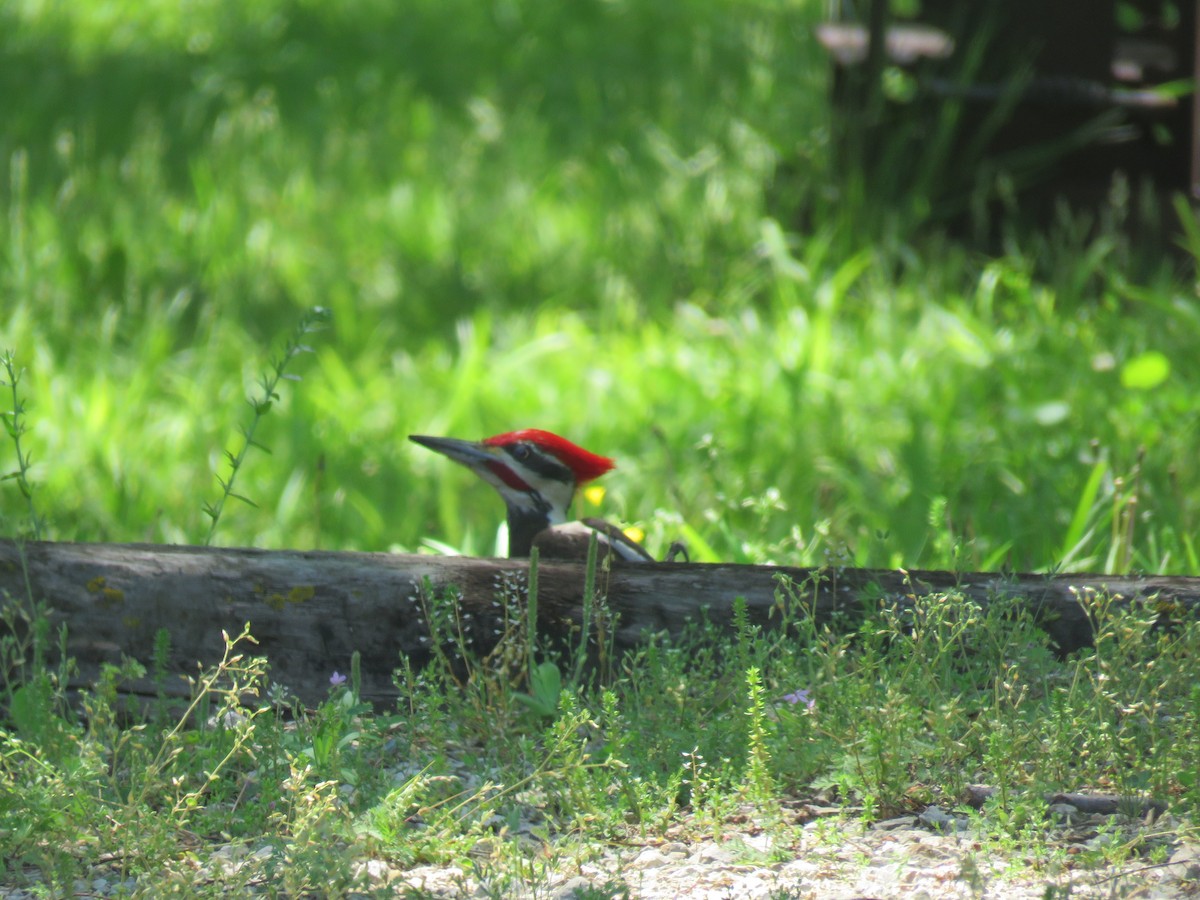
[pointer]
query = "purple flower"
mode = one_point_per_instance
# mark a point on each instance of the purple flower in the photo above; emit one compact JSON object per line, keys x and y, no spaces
{"x":800,"y":697}
{"x":337,"y":679}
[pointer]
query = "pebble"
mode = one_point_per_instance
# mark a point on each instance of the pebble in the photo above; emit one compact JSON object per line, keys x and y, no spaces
{"x":1184,"y":863}
{"x":897,"y":861}
{"x":650,"y":858}
{"x":1064,"y":813}
{"x":937,"y":819}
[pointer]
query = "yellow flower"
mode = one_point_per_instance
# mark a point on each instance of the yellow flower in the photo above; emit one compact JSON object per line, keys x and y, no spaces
{"x":635,"y":534}
{"x":593,"y":494}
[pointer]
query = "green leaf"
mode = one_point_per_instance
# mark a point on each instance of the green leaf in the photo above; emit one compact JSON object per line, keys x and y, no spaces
{"x":546,"y":683}
{"x":1077,"y":530}
{"x":1145,"y":371}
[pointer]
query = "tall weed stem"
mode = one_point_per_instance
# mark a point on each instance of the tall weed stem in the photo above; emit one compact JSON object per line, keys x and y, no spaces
{"x":311,"y":321}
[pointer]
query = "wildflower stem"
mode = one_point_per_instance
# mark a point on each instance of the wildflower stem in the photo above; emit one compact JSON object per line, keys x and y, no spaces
{"x":14,"y":424}
{"x":311,"y":321}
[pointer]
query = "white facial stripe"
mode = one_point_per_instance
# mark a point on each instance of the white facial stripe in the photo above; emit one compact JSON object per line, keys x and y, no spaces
{"x":554,"y":496}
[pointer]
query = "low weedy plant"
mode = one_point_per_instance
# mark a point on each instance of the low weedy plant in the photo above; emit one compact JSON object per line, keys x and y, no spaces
{"x":760,"y":787}
{"x":118,"y":772}
{"x":14,"y":426}
{"x":30,"y":688}
{"x":311,"y":321}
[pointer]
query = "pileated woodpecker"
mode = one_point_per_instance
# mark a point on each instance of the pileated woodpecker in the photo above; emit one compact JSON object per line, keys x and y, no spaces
{"x":537,"y":473}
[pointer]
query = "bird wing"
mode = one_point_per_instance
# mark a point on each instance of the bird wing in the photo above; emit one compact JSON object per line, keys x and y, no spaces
{"x":622,"y":544}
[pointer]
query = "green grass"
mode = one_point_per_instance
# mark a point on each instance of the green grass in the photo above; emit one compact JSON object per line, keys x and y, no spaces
{"x":505,"y":239}
{"x":617,"y":221}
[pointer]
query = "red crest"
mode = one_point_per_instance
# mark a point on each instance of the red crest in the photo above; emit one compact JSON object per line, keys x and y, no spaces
{"x":583,"y":463}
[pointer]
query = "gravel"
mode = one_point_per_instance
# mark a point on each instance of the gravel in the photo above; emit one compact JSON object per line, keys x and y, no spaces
{"x":931,"y":856}
{"x":900,"y":858}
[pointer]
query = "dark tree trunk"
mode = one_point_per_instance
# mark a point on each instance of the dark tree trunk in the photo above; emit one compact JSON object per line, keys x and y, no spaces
{"x":309,"y":611}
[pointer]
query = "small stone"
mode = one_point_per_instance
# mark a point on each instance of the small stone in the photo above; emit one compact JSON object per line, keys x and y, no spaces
{"x":713,"y":853}
{"x":572,"y":889}
{"x":937,"y":819}
{"x":650,"y":858}
{"x":482,"y":849}
{"x":1103,"y":840}
{"x":377,"y":869}
{"x":1184,"y":863}
{"x":896,"y":823}
{"x":1063,"y":812}
{"x":759,"y":842}
{"x":674,"y":850}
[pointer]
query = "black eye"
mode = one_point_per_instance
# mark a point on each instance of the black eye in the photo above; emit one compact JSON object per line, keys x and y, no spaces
{"x":520,"y":452}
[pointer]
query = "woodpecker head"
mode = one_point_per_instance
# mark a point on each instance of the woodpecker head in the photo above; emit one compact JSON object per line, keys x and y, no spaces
{"x":536,"y":473}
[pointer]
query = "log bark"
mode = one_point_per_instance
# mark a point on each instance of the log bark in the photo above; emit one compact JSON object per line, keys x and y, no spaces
{"x":1092,"y":804}
{"x":309,"y":611}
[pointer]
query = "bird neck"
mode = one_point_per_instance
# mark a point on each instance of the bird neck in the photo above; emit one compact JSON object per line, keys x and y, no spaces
{"x":524,"y":525}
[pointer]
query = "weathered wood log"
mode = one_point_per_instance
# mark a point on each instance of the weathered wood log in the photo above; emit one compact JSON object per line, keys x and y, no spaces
{"x":1092,"y":804}
{"x":309,"y":611}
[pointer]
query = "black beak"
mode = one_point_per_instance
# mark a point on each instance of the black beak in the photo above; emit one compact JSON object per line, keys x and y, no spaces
{"x":469,"y":453}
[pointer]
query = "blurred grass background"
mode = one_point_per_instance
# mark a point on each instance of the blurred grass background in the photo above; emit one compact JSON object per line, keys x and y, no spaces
{"x":611,"y":219}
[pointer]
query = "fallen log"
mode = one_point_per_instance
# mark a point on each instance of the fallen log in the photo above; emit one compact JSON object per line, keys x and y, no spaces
{"x":1091,"y":804}
{"x":310,"y":611}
